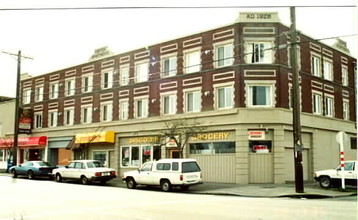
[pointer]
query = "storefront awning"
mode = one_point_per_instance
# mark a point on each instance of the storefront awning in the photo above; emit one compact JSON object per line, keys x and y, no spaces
{"x":24,"y":142}
{"x":95,"y":137}
{"x":72,"y":145}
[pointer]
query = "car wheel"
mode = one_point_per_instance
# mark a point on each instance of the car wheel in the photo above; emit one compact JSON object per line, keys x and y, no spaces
{"x":30,"y":174}
{"x":58,"y":177}
{"x":14,"y":174}
{"x":325,"y":182}
{"x":165,"y":185}
{"x":84,"y":180}
{"x":131,"y":184}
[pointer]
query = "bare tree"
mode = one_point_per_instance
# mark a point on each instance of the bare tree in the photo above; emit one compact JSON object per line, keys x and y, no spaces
{"x":180,"y":131}
{"x":82,"y":150}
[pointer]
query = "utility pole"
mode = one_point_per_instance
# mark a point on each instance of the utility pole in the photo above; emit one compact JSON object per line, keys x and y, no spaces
{"x":17,"y":103}
{"x":297,"y":138}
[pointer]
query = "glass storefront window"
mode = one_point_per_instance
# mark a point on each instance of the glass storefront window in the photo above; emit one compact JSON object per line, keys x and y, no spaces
{"x":212,"y":148}
{"x":260,"y":146}
{"x":146,"y":153}
{"x":134,"y":156}
{"x":101,"y":156}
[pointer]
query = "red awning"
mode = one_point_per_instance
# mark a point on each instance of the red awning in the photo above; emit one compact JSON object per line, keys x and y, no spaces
{"x":24,"y":142}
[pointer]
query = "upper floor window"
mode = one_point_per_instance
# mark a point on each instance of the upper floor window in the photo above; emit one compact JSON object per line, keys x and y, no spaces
{"x":329,"y":103}
{"x":224,"y":55}
{"x":224,"y":96}
{"x":26,"y":96}
{"x":259,"y":52}
{"x":38,"y":120}
{"x":317,"y":103}
{"x":328,"y":70}
{"x":192,"y":101}
{"x":345,"y":75}
{"x":260,"y":94}
{"x":39,"y":92}
{"x":316,"y":66}
{"x":192,"y":61}
{"x":123,"y":109}
{"x":169,"y":104}
{"x":345,"y":109}
{"x":70,"y":87}
{"x":124,"y":75}
{"x":69,"y":115}
{"x":107,"y":79}
{"x":141,"y":72}
{"x":54,"y":90}
{"x":86,"y":114}
{"x":169,"y":66}
{"x":106,"y":112}
{"x":52,"y":118}
{"x":141,"y":106}
{"x":87,"y":83}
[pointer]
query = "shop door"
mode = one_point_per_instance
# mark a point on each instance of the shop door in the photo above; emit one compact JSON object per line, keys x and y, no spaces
{"x":174,"y":154}
{"x":261,"y":162}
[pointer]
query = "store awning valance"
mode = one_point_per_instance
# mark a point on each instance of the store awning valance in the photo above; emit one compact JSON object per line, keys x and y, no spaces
{"x":95,"y":137}
{"x":24,"y":142}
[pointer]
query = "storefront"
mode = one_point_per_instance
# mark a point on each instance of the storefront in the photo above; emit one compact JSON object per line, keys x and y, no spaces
{"x":57,"y":153}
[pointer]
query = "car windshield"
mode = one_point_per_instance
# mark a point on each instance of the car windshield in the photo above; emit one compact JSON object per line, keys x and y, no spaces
{"x":43,"y":164}
{"x":189,"y":167}
{"x":94,"y":164}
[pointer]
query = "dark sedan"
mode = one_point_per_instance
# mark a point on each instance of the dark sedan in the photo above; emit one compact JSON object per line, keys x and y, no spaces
{"x":32,"y":169}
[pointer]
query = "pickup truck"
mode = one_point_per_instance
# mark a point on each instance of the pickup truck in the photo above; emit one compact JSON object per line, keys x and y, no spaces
{"x":332,"y":177}
{"x":165,"y":173}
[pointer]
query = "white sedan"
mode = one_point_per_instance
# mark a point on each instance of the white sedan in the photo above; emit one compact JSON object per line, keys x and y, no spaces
{"x":84,"y":170}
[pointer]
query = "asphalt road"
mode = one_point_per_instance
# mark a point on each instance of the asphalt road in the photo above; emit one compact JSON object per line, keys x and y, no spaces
{"x":41,"y":199}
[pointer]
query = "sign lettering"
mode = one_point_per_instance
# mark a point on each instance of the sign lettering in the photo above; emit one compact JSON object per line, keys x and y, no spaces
{"x":140,"y":140}
{"x":212,"y":136}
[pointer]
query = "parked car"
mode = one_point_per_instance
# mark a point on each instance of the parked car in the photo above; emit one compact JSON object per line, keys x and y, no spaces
{"x":333,"y":177}
{"x":32,"y":169}
{"x":85,"y":171}
{"x":165,"y":173}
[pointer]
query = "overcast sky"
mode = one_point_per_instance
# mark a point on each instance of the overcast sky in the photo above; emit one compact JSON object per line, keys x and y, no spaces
{"x":57,"y":39}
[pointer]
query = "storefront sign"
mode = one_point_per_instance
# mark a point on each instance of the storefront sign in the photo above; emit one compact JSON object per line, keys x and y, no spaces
{"x":25,"y":125}
{"x":24,"y":141}
{"x":143,"y":140}
{"x":260,"y":149}
{"x":211,"y":136}
{"x":95,"y":137}
{"x":256,"y":135}
{"x":170,"y":143}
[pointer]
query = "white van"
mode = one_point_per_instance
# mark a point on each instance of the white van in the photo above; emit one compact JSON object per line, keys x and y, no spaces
{"x":165,"y":173}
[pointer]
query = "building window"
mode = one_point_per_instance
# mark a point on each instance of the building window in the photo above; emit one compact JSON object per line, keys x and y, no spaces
{"x":260,"y":95}
{"x":212,"y":148}
{"x":260,"y":147}
{"x":38,"y":120}
{"x":107,"y":79}
{"x":124,"y":77}
{"x":225,"y":97}
{"x":328,"y":70}
{"x":316,"y":66}
{"x":52,"y":118}
{"x":344,"y":75}
{"x":141,"y":108}
{"x":86,"y":113}
{"x":101,"y":156}
{"x":26,"y":96}
{"x":345,"y":109}
{"x":192,"y":61}
{"x":329,"y":103}
{"x":87,"y":83}
{"x":39,"y":92}
{"x":134,"y":156}
{"x":353,"y":143}
{"x":141,"y":71}
{"x":224,"y":55}
{"x":193,"y":101}
{"x":106,"y":112}
{"x":169,"y":66}
{"x":69,"y":116}
{"x":54,"y":91}
{"x":259,"y":52}
{"x":169,"y":104}
{"x":123,"y":109}
{"x":317,"y":103}
{"x":70,"y":87}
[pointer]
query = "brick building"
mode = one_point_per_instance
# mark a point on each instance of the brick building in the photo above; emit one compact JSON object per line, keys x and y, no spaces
{"x":235,"y":80}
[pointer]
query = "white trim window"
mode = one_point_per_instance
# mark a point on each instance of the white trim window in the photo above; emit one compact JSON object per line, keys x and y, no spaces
{"x":192,"y":61}
{"x":141,"y":107}
{"x":69,"y":115}
{"x":107,"y":79}
{"x":52,"y":118}
{"x":316,"y":66}
{"x":141,"y":72}
{"x":54,"y":90}
{"x":260,"y":95}
{"x":344,"y":75}
{"x":224,"y":54}
{"x":192,"y":101}
{"x":26,"y":96}
{"x":169,"y":65}
{"x":345,"y":109}
{"x":86,"y":114}
{"x":259,"y":52}
{"x":106,"y":111}
{"x":224,"y":96}
{"x":317,"y":103}
{"x":124,"y":75}
{"x":87,"y":83}
{"x":70,"y":87}
{"x":39,"y":93}
{"x":135,"y":156}
{"x":123,"y":109}
{"x":169,"y":104}
{"x":38,"y":120}
{"x":101,"y":155}
{"x":328,"y":69}
{"x":329,"y":106}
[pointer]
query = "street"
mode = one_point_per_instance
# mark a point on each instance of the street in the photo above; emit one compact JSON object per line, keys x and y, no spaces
{"x":42,"y":199}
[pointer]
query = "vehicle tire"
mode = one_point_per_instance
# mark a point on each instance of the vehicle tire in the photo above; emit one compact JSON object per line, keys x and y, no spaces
{"x":84,"y":180}
{"x":58,"y":177}
{"x":325,"y":182}
{"x":14,"y":174}
{"x":184,"y":188}
{"x":165,"y":185}
{"x":131,"y":184}
{"x":30,"y":175}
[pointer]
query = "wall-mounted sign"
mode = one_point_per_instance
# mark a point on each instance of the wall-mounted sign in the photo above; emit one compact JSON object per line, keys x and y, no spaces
{"x":170,"y":143}
{"x":25,"y":125}
{"x":258,"y":17}
{"x":143,"y":140}
{"x":256,"y":135}
{"x":95,"y":137}
{"x":211,"y":136}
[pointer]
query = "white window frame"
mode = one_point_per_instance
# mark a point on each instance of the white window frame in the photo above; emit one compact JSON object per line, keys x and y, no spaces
{"x":70,"y":87}
{"x":124,"y":75}
{"x":39,"y":93}
{"x":316,"y":65}
{"x":54,"y":89}
{"x":89,"y":114}
{"x":123,"y":110}
{"x":106,"y":153}
{"x":139,"y":75}
{"x":192,"y":67}
{"x":196,"y":103}
{"x":144,"y":109}
{"x":228,"y":58}
{"x":272,"y":93}
{"x":267,"y":51}
{"x":52,"y":114}
{"x":69,"y":112}
{"x":345,"y":109}
{"x":172,"y":62}
{"x":138,"y":163}
{"x":172,"y":105}
{"x":344,"y":75}
{"x":328,"y":69}
{"x":317,"y":103}
{"x":89,"y":87}
{"x":106,"y":107}
{"x":329,"y":105}
{"x":38,"y":116}
{"x":109,"y":83}
{"x":26,"y":96}
{"x":226,"y":87}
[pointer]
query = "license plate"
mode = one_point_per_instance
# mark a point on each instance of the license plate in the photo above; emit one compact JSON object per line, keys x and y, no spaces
{"x":105,"y":173}
{"x":192,"y":176}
